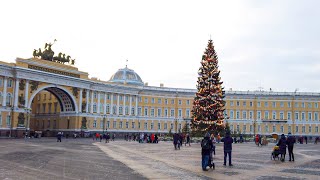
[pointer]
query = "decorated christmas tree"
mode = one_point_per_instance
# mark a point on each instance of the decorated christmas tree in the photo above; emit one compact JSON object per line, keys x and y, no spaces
{"x":209,"y":105}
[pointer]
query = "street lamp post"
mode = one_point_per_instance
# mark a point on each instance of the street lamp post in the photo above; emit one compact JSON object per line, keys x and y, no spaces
{"x":27,"y":121}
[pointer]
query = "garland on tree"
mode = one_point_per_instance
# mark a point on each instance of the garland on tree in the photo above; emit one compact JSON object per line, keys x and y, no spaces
{"x":208,"y":106}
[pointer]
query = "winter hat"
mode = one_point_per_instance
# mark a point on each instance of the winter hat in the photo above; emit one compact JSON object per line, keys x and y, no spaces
{"x":207,"y":134}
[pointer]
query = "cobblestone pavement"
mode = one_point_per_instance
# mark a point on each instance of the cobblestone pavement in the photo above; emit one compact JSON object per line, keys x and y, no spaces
{"x":48,"y":159}
{"x":161,"y":161}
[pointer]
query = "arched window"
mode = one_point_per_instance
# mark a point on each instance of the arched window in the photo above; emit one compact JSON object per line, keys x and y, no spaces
{"x":9,"y":99}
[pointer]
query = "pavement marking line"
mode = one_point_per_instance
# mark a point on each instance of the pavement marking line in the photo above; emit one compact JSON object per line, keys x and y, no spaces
{"x":139,"y":168}
{"x":171,"y":164}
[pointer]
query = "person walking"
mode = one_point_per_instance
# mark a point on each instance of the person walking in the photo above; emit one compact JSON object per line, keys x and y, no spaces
{"x":188,"y":140}
{"x":213,"y":139}
{"x":283,"y":146}
{"x":206,"y":147}
{"x":59,"y":135}
{"x":227,"y":148}
{"x":290,"y":142}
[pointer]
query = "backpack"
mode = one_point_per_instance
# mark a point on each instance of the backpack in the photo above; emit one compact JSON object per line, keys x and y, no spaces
{"x":205,"y":144}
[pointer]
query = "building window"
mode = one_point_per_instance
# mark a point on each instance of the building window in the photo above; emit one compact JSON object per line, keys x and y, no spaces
{"x":180,"y":102}
{"x":310,"y":129}
{"x":120,"y":97}
{"x":316,"y":118}
{"x":132,"y":111}
{"x":251,"y":128}
{"x":259,"y":115}
{"x":152,"y":112}
{"x":309,"y":105}
{"x":172,"y":101}
{"x":316,"y":105}
{"x":244,"y":129}
{"x":231,"y":103}
{"x":120,"y":125}
{"x":108,"y":124}
{"x":259,"y":104}
{"x":238,"y":103}
{"x":266,"y":128}
{"x":166,"y":101}
{"x":132,"y":125}
{"x":145,"y":100}
{"x":159,"y":101}
{"x":289,"y":104}
{"x":237,"y":115}
{"x":259,"y":128}
{"x":188,"y":102}
{"x":296,"y":104}
{"x":303,"y":129}
{"x":95,"y":108}
{"x":303,"y":105}
{"x":244,"y":115}
{"x":165,"y":126}
{"x":43,"y":108}
{"x":281,"y":104}
{"x":273,"y":128}
{"x":251,"y":103}
{"x":281,"y":128}
{"x":127,"y":125}
{"x":48,"y":125}
{"x":139,"y":111}
{"x":244,"y":103}
{"x":171,"y":125}
{"x":120,"y":110}
{"x":108,"y":109}
{"x":303,"y":116}
{"x":172,"y":113}
{"x":179,"y":113}
{"x":101,"y":124}
{"x":140,"y":99}
{"x":1,"y":81}
{"x":151,"y":126}
{"x":309,"y":116}
{"x":265,"y":104}
{"x":297,"y":129}
{"x":159,"y":112}
{"x":296,"y":116}
{"x":145,"y":111}
{"x":108,"y":96}
{"x":274,"y":115}
{"x":145,"y":125}
{"x":9,"y":99}
{"x":238,"y":128}
{"x":8,"y":121}
{"x":289,"y":115}
{"x":316,"y":129}
{"x":139,"y":125}
{"x":187,"y":113}
{"x":266,"y":115}
{"x":152,"y":100}
{"x":281,"y":116}
{"x":127,"y":98}
{"x":274,"y":104}
{"x":250,"y":114}
{"x":94,"y":123}
{"x":114,"y":124}
{"x":166,"y":113}
{"x":289,"y":129}
{"x":10,"y":83}
{"x":231,"y":114}
{"x":114,"y":109}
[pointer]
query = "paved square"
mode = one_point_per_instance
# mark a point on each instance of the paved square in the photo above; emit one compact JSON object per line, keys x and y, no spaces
{"x":87,"y":159}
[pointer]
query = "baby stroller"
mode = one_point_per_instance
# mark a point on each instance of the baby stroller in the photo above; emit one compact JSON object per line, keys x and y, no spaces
{"x":275,"y":153}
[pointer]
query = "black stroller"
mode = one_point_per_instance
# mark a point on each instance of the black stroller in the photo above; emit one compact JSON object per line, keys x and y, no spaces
{"x":275,"y":153}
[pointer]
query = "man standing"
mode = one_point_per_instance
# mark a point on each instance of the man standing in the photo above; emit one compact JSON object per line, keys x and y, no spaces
{"x":290,"y":142}
{"x":206,"y":147}
{"x":227,"y":148}
{"x":282,"y":145}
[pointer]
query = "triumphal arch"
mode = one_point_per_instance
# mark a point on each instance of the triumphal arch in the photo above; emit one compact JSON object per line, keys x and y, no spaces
{"x":47,"y":94}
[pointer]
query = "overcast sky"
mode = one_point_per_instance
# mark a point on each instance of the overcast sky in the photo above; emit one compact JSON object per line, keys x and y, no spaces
{"x":269,"y":44}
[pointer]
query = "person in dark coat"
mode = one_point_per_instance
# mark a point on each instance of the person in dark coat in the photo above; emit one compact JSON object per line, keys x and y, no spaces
{"x":176,"y":138}
{"x":227,"y":147}
{"x":290,"y":142}
{"x":59,"y":136}
{"x":206,"y":147}
{"x":282,"y":146}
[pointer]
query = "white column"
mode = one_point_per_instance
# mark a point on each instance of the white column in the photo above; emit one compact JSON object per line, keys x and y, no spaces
{"x":111,"y":103}
{"x":87,"y":99}
{"x":26,"y":94}
{"x":105,"y":104}
{"x":118,"y":104}
{"x":4,"y":93}
{"x":136,"y":109}
{"x":130,"y":105}
{"x":16,"y":93}
{"x":80,"y":101}
{"x":91,"y":108}
{"x":98,"y":106}
{"x":124,"y":105}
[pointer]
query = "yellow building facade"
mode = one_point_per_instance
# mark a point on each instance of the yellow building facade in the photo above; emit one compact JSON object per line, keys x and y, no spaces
{"x":48,"y":97}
